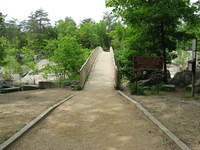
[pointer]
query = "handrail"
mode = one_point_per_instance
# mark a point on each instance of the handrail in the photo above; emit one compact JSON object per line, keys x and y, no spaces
{"x":87,"y":66}
{"x":116,"y":71}
{"x":113,"y":57}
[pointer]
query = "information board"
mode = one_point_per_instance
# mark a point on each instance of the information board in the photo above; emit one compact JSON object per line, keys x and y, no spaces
{"x":148,"y":62}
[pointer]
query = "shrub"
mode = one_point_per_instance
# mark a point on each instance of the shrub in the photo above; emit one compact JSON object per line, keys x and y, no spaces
{"x":139,"y":90}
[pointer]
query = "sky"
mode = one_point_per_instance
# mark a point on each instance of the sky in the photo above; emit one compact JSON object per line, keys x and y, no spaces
{"x":57,"y":9}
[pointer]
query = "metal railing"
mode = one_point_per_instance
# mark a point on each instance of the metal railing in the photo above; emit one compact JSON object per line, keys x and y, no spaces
{"x":87,"y":66}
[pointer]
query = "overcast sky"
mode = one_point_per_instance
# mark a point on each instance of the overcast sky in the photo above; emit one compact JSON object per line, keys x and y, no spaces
{"x":57,"y":9}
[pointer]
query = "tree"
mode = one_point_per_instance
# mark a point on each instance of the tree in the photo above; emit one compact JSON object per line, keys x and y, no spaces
{"x":38,"y":29}
{"x":102,"y":35}
{"x":13,"y":31}
{"x":2,"y":24}
{"x":66,"y":27}
{"x":19,"y":62}
{"x":38,"y":21}
{"x":68,"y":57}
{"x":86,"y":21}
{"x":118,"y":36}
{"x":157,"y":21}
{"x":11,"y":65}
{"x":4,"y":44}
{"x":87,"y":35}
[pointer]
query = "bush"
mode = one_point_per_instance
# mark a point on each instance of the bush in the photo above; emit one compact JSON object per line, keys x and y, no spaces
{"x":68,"y":57}
{"x":139,"y":90}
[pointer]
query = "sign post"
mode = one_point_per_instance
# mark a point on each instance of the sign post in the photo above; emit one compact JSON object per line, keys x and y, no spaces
{"x":194,"y":53}
{"x":147,"y":63}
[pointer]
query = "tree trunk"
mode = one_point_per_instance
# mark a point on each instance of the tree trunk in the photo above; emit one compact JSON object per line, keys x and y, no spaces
{"x":165,"y":65}
{"x":164,"y":51}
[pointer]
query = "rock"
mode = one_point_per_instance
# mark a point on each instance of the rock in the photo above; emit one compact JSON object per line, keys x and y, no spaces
{"x":168,"y":87}
{"x":182,"y":79}
{"x":46,"y":85}
{"x":66,"y":83}
{"x":153,"y":79}
{"x":197,"y":87}
{"x":72,"y":84}
{"x":145,"y":82}
{"x":30,"y":87}
{"x":6,"y":84}
{"x":76,"y":87}
{"x":8,"y":90}
{"x":197,"y":83}
{"x":75,"y":82}
{"x":189,"y":88}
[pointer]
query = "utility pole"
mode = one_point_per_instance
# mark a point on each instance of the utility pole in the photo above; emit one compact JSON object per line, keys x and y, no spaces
{"x":194,"y":53}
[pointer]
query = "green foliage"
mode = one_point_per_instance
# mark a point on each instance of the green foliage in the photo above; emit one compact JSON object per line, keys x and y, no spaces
{"x":4,"y":44}
{"x":28,"y":58}
{"x":66,"y":27}
{"x":48,"y":50}
{"x":182,"y":59}
{"x":138,"y":90}
{"x":68,"y":57}
{"x":124,"y":60}
{"x":38,"y":21}
{"x":156,"y":25}
{"x":87,"y":35}
{"x":38,"y":30}
{"x":102,"y":35}
{"x":2,"y":24}
{"x":12,"y":66}
{"x":118,"y":36}
{"x":66,"y":45}
{"x":153,"y":90}
{"x":18,"y":61}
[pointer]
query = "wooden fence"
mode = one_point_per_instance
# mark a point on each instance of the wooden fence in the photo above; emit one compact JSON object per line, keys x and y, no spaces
{"x":87,"y":66}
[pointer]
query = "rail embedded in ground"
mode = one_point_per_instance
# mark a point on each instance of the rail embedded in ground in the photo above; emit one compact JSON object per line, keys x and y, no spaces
{"x":28,"y":126}
{"x":116,"y":70}
{"x":87,"y":66}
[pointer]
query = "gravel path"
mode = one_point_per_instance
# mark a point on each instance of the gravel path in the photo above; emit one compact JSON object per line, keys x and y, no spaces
{"x":97,"y":118}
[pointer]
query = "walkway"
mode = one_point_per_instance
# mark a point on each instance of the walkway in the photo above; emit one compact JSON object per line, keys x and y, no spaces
{"x":97,"y":118}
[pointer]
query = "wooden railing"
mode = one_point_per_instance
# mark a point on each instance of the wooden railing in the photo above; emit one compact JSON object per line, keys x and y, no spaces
{"x":116,"y":71}
{"x":87,"y":66}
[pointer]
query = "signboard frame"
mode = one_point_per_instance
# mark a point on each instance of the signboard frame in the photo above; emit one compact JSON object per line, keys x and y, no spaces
{"x":148,"y":62}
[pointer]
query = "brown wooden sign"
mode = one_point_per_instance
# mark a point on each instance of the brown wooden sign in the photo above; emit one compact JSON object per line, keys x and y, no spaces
{"x":148,"y":62}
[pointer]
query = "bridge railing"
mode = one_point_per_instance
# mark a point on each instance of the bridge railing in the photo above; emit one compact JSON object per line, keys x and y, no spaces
{"x":116,"y":71}
{"x":87,"y":66}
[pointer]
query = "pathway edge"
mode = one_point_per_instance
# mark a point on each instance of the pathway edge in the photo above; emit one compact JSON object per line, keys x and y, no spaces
{"x":32,"y":123}
{"x":171,"y":135}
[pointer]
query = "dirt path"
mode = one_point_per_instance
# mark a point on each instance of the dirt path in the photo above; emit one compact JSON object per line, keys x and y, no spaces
{"x":19,"y":108}
{"x":181,"y":117}
{"x":97,"y":118}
